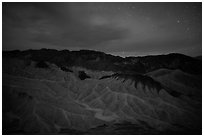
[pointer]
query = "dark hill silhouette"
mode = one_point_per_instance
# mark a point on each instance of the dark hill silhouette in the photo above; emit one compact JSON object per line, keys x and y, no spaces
{"x":199,"y":57}
{"x":96,"y":60}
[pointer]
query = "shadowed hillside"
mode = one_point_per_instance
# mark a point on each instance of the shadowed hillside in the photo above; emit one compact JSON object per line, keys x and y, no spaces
{"x":89,"y":92}
{"x":100,"y":61}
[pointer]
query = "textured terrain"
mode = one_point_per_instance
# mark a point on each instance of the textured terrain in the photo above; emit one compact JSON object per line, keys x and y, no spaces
{"x":44,"y":97}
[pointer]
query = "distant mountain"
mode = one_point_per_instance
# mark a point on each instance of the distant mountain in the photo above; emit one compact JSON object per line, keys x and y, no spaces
{"x":199,"y":57}
{"x":96,"y":60}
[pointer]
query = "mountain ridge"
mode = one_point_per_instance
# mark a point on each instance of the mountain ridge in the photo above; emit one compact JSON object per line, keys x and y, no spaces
{"x":97,"y":60}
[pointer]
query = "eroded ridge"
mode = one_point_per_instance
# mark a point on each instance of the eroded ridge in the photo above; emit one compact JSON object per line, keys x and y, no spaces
{"x":51,"y":100}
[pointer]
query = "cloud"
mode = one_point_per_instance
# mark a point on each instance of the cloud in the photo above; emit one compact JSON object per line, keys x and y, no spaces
{"x":101,"y":26}
{"x":42,"y":24}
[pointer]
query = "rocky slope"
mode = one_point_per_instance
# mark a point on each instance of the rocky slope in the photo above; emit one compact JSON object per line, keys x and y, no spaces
{"x":51,"y":94}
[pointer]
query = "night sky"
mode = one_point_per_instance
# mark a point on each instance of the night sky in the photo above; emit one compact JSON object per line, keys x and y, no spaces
{"x":118,"y":28}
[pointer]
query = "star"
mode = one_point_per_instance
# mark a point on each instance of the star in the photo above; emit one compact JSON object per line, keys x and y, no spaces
{"x":178,"y":21}
{"x":187,"y":29}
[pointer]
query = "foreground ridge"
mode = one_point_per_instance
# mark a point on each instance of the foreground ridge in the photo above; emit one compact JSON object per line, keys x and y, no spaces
{"x":88,"y":92}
